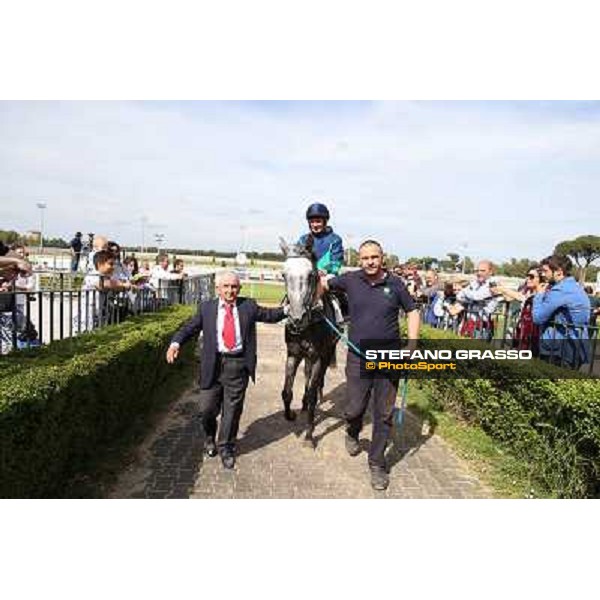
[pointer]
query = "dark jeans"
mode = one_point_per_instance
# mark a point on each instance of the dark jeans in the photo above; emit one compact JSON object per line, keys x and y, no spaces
{"x":226,"y":396}
{"x":74,"y":263}
{"x":383,"y":391}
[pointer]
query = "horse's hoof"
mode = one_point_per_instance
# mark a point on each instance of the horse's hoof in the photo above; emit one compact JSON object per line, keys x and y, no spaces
{"x":304,"y":407}
{"x":290,"y":415}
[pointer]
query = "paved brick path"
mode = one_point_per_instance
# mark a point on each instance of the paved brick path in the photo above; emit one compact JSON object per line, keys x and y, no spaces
{"x":273,"y":462}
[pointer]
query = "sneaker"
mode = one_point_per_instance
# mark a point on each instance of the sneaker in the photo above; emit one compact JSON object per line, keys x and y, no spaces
{"x":352,"y":445}
{"x":379,"y":478}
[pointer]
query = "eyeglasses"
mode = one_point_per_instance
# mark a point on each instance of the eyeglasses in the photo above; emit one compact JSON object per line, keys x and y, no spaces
{"x":532,"y":275}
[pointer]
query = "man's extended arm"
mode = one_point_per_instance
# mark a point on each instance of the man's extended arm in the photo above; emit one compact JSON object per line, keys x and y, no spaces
{"x":270,"y":315}
{"x":191,"y":328}
{"x":545,"y":305}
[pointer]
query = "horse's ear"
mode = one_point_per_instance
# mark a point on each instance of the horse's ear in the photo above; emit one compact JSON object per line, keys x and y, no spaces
{"x":284,"y":246}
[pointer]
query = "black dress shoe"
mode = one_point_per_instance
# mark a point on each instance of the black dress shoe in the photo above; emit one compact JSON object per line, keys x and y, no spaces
{"x":210,"y":448}
{"x":228,"y":461}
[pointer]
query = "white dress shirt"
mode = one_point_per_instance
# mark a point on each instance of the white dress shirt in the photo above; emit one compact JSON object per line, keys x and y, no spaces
{"x":220,"y":322}
{"x":478,"y":298}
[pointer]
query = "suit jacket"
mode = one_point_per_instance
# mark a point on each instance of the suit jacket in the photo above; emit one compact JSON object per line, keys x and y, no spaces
{"x":205,"y":320}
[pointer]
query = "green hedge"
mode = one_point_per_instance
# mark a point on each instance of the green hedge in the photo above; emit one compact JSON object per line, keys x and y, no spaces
{"x":551,"y":422}
{"x":62,"y":404}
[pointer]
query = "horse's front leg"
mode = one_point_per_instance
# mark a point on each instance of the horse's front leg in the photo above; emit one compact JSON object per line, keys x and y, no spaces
{"x":311,"y":396}
{"x":291,"y":366}
{"x":308,"y":367}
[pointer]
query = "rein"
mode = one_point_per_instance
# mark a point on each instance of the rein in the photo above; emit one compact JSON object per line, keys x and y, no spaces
{"x":308,"y":304}
{"x":403,"y":389}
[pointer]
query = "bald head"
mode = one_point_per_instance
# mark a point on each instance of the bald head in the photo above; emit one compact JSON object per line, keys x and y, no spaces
{"x":485,"y":269}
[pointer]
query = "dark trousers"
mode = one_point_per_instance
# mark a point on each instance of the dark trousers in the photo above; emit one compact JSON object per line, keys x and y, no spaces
{"x":75,"y":262}
{"x":226,"y":396}
{"x":358,"y":391}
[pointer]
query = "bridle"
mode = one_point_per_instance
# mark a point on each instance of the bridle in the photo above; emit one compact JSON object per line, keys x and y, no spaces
{"x":309,"y":305}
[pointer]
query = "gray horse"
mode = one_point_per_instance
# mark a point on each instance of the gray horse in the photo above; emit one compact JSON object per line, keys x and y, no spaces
{"x":307,"y":334}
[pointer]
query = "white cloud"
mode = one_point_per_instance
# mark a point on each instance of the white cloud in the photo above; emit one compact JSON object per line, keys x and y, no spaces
{"x":511,"y":178}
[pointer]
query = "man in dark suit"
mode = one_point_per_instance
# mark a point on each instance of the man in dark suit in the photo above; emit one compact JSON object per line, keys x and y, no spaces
{"x":227,"y":361}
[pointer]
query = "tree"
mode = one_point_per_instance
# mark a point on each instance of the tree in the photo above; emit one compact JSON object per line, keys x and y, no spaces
{"x":423,"y":262}
{"x":469,"y":265}
{"x":55,"y":243}
{"x":351,"y":257}
{"x":391,"y":260}
{"x":451,"y":263}
{"x":517,"y":267}
{"x":584,"y":250}
{"x":9,"y":237}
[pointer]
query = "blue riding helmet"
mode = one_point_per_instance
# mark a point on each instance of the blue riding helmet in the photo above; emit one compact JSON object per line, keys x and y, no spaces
{"x":317,"y":211}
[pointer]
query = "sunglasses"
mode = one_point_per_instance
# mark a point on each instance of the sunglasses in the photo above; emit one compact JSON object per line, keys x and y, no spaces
{"x":532,"y":275}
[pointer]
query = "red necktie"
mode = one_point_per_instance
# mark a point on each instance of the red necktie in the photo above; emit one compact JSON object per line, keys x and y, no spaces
{"x":229,"y":328}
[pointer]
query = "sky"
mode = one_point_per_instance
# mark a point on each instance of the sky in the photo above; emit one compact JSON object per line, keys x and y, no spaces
{"x":488,"y":179}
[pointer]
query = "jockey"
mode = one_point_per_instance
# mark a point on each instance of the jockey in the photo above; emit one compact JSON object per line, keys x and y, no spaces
{"x":326,"y":246}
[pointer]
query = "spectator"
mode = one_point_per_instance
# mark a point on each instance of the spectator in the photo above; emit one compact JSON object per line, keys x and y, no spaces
{"x":477,"y":302}
{"x":27,"y":334}
{"x":432,"y":285}
{"x":178,"y":267}
{"x":594,"y":305}
{"x":526,"y":333}
{"x":76,"y":247}
{"x":120,"y":273}
{"x":442,"y":306}
{"x":105,"y":279}
{"x":145,"y":269}
{"x":427,"y":295}
{"x":99,"y":243}
{"x":563,"y":312}
{"x":94,"y":286}
{"x":161,"y":272}
{"x":11,"y":267}
{"x":131,"y":266}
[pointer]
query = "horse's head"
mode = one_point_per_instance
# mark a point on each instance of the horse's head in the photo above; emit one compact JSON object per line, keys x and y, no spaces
{"x":300,"y":277}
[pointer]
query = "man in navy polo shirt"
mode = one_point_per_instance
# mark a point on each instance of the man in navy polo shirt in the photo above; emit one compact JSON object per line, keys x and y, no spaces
{"x":375,"y":298}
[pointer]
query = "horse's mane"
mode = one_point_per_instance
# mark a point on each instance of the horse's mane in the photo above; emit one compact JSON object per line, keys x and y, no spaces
{"x":299,"y":250}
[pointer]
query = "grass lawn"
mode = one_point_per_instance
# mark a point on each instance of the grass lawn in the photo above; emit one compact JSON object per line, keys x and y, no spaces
{"x":263,"y":293}
{"x":507,"y":476}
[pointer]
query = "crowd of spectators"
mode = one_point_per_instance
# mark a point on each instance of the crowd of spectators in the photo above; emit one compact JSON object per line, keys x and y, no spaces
{"x":114,"y":284}
{"x":550,"y":313}
{"x":117,"y":285}
{"x":16,"y":279}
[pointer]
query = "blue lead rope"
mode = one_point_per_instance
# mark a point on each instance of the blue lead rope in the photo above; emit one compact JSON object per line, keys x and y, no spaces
{"x":398,"y":412}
